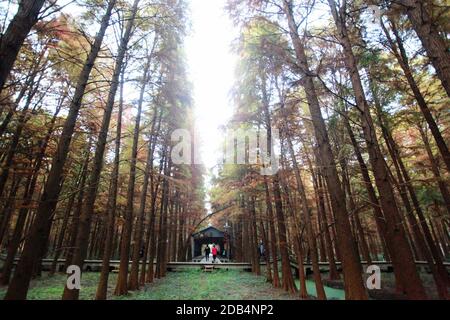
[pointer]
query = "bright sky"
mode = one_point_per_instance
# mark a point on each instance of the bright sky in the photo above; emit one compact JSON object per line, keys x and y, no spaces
{"x":211,"y":69}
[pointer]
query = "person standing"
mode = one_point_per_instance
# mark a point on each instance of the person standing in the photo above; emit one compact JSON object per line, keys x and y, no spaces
{"x":214,"y":253}
{"x":207,"y":252}
{"x":261,"y":249}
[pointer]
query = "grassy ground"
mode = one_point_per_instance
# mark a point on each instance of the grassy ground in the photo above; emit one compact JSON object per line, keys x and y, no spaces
{"x":220,"y":284}
{"x":189,"y":285}
{"x":388,"y":288}
{"x":51,"y":287}
{"x":331,"y":293}
{"x":198,"y":285}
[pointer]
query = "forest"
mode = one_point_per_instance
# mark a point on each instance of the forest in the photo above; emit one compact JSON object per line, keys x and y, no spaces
{"x":358,"y":92}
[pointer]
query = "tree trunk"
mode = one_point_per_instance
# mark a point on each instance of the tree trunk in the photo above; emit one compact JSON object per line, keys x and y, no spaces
{"x":273,"y":238}
{"x":18,"y":287}
{"x":266,"y":251}
{"x":287,"y":279}
{"x":23,"y":118}
{"x":14,"y":36}
{"x":435,"y":169}
{"x":254,"y":245}
{"x":306,"y":214}
{"x":352,"y":271}
{"x":412,"y":284}
{"x":429,"y":252}
{"x":399,"y":52}
{"x":435,"y":46}
{"x":317,"y":183}
{"x":134,"y":276}
{"x":8,"y":208}
{"x":111,"y":205}
{"x":151,"y":229}
{"x":92,"y":188}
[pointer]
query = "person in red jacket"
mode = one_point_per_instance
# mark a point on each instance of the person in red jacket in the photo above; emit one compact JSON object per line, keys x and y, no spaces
{"x":214,"y":253}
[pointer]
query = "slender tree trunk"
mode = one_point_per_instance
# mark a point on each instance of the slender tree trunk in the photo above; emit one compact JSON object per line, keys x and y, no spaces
{"x":111,"y":205}
{"x":399,"y":52}
{"x":355,"y":215}
{"x":14,"y":242}
{"x":429,"y":252}
{"x":412,"y":284}
{"x":23,"y":118}
{"x":373,"y":200}
{"x":273,"y":239}
{"x":287,"y":279}
{"x":88,"y":208}
{"x":436,"y":47}
{"x":59,"y":243}
{"x":8,"y":208}
{"x":76,"y":215}
{"x":256,"y":267}
{"x":306,"y":214}
{"x":435,"y":169}
{"x":317,"y":183}
{"x":266,"y":251}
{"x":134,"y":276}
{"x":152,"y":214}
{"x":163,"y":232}
{"x":14,"y":36}
{"x":151,"y":230}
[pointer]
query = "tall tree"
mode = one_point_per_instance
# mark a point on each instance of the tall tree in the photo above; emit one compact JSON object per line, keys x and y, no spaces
{"x":354,"y":287}
{"x":429,"y":34}
{"x":400,"y":54}
{"x":18,"y":287}
{"x":412,"y":284}
{"x":85,"y":219}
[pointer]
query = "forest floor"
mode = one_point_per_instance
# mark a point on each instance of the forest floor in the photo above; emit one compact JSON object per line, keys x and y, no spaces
{"x":388,"y":289}
{"x":198,"y":285}
{"x":189,"y":285}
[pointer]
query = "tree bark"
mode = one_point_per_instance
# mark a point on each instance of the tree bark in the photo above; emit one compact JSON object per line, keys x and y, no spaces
{"x":412,"y":284}
{"x":111,"y":205}
{"x":14,"y":36}
{"x":256,"y":267}
{"x":88,"y":210}
{"x":287,"y":279}
{"x":435,"y":46}
{"x":435,"y":169}
{"x":399,"y":52}
{"x":352,"y":271}
{"x":134,"y":276}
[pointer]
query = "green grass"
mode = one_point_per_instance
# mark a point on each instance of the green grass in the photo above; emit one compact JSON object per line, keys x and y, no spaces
{"x":220,"y":284}
{"x":331,"y":293}
{"x":189,"y":285}
{"x":52,"y":287}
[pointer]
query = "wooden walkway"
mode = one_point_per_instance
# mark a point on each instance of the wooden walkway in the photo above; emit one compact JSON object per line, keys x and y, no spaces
{"x":203,"y":259}
{"x":95,"y":265}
